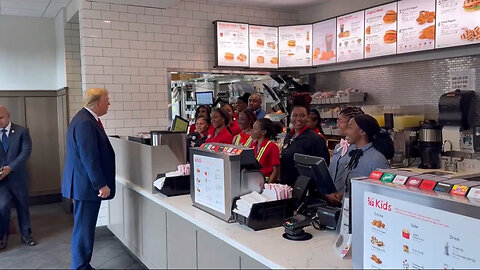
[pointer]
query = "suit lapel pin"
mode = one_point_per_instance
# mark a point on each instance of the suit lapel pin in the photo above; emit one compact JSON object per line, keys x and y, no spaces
{"x":13,"y":131}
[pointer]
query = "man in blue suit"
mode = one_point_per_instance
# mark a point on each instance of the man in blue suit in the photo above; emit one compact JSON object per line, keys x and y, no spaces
{"x":14,"y":152}
{"x":89,"y":173}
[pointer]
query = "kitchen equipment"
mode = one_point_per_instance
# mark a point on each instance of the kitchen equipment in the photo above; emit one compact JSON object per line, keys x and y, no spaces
{"x":455,"y":108}
{"x":430,"y":144}
{"x":476,"y":138}
{"x":406,"y":146}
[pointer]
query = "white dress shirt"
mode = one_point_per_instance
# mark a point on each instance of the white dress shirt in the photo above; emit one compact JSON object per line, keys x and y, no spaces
{"x":8,"y":130}
{"x":94,"y":114}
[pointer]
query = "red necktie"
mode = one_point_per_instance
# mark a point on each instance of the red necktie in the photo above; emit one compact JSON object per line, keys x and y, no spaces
{"x":100,"y":123}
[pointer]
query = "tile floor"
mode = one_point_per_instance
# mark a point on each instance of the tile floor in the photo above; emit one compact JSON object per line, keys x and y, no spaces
{"x":52,"y":228}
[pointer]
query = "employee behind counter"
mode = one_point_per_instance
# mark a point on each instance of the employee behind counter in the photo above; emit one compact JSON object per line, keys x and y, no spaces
{"x":365,"y":149}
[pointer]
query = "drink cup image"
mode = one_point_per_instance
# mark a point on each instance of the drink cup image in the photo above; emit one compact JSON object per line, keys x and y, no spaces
{"x":328,"y":41}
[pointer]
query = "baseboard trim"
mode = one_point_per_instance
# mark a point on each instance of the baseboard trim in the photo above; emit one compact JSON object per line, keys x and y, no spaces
{"x":45,"y":199}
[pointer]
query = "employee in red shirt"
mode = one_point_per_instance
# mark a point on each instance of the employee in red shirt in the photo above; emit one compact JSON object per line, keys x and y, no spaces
{"x":314,"y":122}
{"x":219,"y":133}
{"x":241,"y":104}
{"x":266,"y":151}
{"x":246,"y":119}
{"x":202,"y":110}
{"x":233,"y":124}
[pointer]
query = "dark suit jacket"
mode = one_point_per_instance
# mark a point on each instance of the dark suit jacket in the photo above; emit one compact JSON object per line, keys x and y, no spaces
{"x":90,"y":159}
{"x":19,"y":147}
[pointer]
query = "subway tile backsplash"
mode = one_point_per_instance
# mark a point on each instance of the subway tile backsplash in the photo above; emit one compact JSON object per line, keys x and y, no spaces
{"x":414,"y":83}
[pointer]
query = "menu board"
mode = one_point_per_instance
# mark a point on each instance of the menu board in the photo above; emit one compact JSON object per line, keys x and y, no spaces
{"x":263,"y":46}
{"x":458,"y":23}
{"x":381,"y":30}
{"x":209,"y":182}
{"x":350,"y":41}
{"x":416,"y":25}
{"x":324,"y":40}
{"x":232,"y":44}
{"x":404,"y":235}
{"x":295,"y":45}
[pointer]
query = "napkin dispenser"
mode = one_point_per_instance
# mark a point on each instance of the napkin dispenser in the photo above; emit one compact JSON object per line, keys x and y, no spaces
{"x":455,"y":108}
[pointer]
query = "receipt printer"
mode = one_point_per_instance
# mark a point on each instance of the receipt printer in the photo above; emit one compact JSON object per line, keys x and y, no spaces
{"x":456,"y":108}
{"x":328,"y":217}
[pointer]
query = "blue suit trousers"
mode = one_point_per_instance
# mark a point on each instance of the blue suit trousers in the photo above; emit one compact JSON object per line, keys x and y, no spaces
{"x":85,"y":214}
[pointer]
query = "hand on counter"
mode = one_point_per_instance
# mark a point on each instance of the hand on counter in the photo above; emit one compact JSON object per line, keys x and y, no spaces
{"x":335,"y":198}
{"x":104,"y":192}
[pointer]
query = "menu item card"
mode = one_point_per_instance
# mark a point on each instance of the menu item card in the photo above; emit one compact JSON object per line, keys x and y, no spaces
{"x":416,"y":25}
{"x":232,"y":44}
{"x":350,"y":41}
{"x":399,"y":234}
{"x":381,"y":30}
{"x":295,"y":45}
{"x":458,"y":23}
{"x":209,"y":182}
{"x":324,"y":40}
{"x":263,"y":46}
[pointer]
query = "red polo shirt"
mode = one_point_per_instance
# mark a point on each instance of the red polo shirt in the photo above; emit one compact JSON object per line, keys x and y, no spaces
{"x":269,"y":158}
{"x":192,"y":128}
{"x":222,"y":137}
{"x":235,"y":128}
{"x":242,"y":139}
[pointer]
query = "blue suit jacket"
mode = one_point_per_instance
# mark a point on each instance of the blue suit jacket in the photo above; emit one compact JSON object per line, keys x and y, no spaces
{"x":19,"y":147}
{"x":90,"y":159}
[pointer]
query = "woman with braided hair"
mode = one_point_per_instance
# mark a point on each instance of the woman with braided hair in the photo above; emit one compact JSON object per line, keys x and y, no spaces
{"x":300,"y":139}
{"x":340,"y":157}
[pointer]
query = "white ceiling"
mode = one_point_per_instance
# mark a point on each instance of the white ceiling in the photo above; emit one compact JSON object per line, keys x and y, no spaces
{"x":32,"y":8}
{"x":295,"y":4}
{"x":50,"y":8}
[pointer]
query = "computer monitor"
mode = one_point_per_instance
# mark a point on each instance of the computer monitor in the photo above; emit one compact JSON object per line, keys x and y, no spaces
{"x":316,"y":169}
{"x":179,"y":124}
{"x":204,"y":98}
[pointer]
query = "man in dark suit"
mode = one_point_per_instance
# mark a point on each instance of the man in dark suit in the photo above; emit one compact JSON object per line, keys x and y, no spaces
{"x":14,"y":152}
{"x":89,"y":173}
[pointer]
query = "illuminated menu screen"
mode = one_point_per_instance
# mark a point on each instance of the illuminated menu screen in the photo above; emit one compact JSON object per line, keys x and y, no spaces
{"x":263,"y":46}
{"x":232,"y":44}
{"x":324,"y":40}
{"x":416,"y":25}
{"x":295,"y":45}
{"x":350,"y":29}
{"x":381,"y":30}
{"x":458,"y":23}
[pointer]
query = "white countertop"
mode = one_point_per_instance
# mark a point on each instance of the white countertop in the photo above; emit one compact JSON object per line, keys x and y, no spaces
{"x":266,"y":246}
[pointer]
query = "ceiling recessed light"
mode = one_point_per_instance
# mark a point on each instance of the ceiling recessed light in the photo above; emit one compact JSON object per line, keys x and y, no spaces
{"x":107,"y":21}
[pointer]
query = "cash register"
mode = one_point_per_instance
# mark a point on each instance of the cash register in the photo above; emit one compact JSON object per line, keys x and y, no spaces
{"x":314,"y":180}
{"x":221,"y":172}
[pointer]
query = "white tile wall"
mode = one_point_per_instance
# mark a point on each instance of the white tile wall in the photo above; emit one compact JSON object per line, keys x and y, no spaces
{"x":130,"y":53}
{"x":73,"y":67}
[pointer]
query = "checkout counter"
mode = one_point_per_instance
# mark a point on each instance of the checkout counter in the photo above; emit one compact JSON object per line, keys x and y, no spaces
{"x":170,"y":232}
{"x":399,"y":219}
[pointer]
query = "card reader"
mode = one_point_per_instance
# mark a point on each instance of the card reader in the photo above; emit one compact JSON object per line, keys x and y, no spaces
{"x":294,"y":228}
